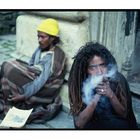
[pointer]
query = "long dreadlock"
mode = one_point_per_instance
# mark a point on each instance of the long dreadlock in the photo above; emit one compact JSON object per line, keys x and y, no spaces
{"x":78,"y":71}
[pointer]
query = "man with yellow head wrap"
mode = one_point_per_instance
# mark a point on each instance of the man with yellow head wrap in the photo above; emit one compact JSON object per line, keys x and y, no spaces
{"x":36,"y":84}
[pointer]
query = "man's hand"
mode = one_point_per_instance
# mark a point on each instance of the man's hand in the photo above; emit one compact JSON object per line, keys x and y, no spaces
{"x":104,"y":89}
{"x":16,"y":98}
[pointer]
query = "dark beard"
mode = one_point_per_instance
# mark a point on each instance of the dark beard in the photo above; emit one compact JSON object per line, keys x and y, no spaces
{"x":45,"y":49}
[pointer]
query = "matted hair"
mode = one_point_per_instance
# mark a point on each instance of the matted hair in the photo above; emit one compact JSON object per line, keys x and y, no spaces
{"x":78,"y":71}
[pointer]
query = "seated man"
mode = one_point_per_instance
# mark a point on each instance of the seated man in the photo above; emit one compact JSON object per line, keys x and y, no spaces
{"x":99,"y":94}
{"x":36,"y":84}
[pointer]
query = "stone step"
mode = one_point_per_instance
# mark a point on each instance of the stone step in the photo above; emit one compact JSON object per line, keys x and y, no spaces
{"x":62,"y":121}
{"x":35,"y":126}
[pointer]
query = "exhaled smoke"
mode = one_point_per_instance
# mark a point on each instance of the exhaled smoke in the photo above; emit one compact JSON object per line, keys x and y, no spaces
{"x":91,"y":83}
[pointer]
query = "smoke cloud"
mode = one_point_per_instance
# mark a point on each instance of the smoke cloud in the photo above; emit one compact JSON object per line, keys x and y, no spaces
{"x":92,"y":81}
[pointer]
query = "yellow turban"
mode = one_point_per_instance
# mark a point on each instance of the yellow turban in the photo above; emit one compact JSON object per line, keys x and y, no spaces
{"x":49,"y":26}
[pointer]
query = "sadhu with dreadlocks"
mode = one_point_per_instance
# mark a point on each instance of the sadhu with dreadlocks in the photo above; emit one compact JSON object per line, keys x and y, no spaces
{"x":99,"y":95}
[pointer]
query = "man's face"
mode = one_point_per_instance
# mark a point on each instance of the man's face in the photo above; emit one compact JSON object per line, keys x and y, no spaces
{"x":44,"y":40}
{"x":96,"y":66}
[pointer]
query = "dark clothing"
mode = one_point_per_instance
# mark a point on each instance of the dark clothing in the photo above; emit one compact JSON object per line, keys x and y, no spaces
{"x":104,"y":116}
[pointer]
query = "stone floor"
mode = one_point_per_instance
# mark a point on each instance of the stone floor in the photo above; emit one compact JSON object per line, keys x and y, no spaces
{"x":63,"y":120}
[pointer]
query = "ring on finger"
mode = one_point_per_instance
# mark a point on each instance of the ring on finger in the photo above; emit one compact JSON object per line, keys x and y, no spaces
{"x":102,"y":90}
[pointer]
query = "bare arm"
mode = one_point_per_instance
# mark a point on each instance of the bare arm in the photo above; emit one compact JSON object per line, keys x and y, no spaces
{"x":105,"y":90}
{"x":87,"y":113}
{"x":118,"y":107}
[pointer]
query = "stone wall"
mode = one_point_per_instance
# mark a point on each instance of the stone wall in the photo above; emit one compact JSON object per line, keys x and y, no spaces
{"x":117,"y":32}
{"x":8,"y":22}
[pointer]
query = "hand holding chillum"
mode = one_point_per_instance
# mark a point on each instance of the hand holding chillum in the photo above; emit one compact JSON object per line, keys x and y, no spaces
{"x":104,"y":89}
